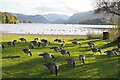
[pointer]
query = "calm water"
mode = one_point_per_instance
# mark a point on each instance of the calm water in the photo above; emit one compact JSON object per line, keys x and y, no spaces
{"x":61,"y":29}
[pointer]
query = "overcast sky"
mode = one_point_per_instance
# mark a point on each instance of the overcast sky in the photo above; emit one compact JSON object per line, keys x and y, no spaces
{"x":32,"y":7}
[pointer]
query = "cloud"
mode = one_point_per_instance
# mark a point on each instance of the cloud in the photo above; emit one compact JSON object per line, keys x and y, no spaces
{"x":54,"y":9}
{"x":60,"y":10}
{"x":45,"y":6}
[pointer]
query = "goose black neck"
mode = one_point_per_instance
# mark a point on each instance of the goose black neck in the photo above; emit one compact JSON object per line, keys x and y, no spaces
{"x":39,"y":44}
{"x":73,"y":64}
{"x":83,"y":61}
{"x":53,"y":57}
{"x":115,"y":53}
{"x":68,"y":53}
{"x":30,"y":53}
{"x":56,"y":70}
{"x":13,"y":44}
{"x":3,"y":47}
{"x":100,"y":51}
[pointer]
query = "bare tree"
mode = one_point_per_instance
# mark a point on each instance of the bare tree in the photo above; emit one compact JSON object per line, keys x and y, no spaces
{"x":110,"y":7}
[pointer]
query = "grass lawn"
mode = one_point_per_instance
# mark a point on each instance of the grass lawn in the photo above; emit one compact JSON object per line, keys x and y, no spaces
{"x":96,"y":65}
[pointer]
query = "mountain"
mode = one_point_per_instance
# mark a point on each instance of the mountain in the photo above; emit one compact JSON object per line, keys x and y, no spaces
{"x":54,"y":17}
{"x":59,"y":21}
{"x":78,"y":17}
{"x":32,"y":18}
{"x":8,"y":18}
{"x":87,"y":17}
{"x":97,"y":22}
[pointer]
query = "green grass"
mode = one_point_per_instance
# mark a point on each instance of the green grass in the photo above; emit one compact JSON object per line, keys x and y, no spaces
{"x":97,"y":65}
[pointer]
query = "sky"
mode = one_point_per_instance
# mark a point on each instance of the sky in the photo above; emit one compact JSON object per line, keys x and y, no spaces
{"x":41,"y":7}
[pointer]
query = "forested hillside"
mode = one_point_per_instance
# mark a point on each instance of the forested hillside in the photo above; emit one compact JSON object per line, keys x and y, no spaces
{"x":7,"y":18}
{"x":97,"y":22}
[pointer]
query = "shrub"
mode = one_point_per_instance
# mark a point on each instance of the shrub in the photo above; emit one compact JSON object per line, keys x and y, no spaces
{"x":92,"y":35}
{"x":115,"y":30}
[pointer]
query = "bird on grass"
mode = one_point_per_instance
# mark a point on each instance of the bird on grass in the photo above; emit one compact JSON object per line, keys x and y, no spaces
{"x":45,"y":41}
{"x":62,"y":45}
{"x":26,"y":51}
{"x":75,"y":43}
{"x":52,"y":66}
{"x":82,"y":58}
{"x":42,"y":44}
{"x":94,"y":50}
{"x":46,"y":55}
{"x":71,"y":62}
{"x":64,"y":52}
{"x":31,"y":46}
{"x":15,"y":41}
{"x":23,"y":39}
{"x":110,"y":52}
{"x":35,"y":43}
{"x":2,"y":46}
{"x":11,"y":43}
{"x":116,"y":49}
{"x":56,"y":48}
{"x":91,"y":45}
{"x":59,"y":40}
{"x":36,"y":39}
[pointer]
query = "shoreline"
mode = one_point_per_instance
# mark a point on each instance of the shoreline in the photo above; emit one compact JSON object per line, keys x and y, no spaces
{"x":8,"y":34}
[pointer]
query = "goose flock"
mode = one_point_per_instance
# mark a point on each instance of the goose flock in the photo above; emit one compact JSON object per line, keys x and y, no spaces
{"x":53,"y":66}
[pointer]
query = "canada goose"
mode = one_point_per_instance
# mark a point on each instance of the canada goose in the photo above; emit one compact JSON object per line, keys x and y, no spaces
{"x":35,"y":43}
{"x":15,"y":41}
{"x":52,"y":66}
{"x":56,"y":48}
{"x":75,"y":43}
{"x":36,"y":39}
{"x":91,"y":45}
{"x":62,"y":45}
{"x":82,"y":58}
{"x":61,"y":41}
{"x":94,"y":50}
{"x":58,"y":40}
{"x":26,"y":51}
{"x":65,"y":52}
{"x":116,"y":49}
{"x":11,"y":43}
{"x":23,"y":39}
{"x":71,"y":62}
{"x":42,"y":44}
{"x":2,"y":46}
{"x":110,"y":52}
{"x":47,"y":55}
{"x":45,"y":41}
{"x":31,"y":46}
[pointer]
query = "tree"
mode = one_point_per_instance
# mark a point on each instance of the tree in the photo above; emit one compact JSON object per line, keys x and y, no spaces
{"x":8,"y":18}
{"x":110,"y":7}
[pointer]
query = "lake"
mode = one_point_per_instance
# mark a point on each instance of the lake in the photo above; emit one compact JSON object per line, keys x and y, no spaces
{"x":57,"y":29}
